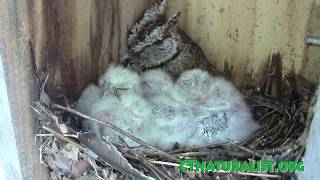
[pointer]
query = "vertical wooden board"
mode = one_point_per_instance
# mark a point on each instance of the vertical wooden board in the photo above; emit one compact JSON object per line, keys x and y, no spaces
{"x":18,"y":69}
{"x":240,"y":36}
{"x":310,"y":67}
{"x":9,"y":159}
{"x":73,"y":41}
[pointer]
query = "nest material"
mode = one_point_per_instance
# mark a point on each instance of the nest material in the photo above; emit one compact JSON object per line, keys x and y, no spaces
{"x":285,"y":125}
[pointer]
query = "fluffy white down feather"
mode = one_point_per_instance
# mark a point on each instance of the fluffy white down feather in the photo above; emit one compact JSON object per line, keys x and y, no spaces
{"x":89,"y":96}
{"x":135,"y":111}
{"x":119,"y":80}
{"x":104,"y":109}
{"x":161,"y":120}
{"x":197,"y":109}
{"x":170,"y":122}
{"x":194,"y":84}
{"x":222,"y":114}
{"x":155,"y":82}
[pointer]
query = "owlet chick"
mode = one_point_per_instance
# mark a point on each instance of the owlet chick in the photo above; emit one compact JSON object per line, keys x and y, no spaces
{"x":135,"y":111}
{"x":194,"y":84}
{"x":119,"y":80}
{"x":88,"y":97}
{"x":219,"y":109}
{"x":222,"y":114}
{"x":155,"y":82}
{"x":170,"y":122}
{"x":104,"y":109}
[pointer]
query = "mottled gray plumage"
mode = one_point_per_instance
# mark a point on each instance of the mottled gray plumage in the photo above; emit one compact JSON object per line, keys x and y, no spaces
{"x":195,"y":110}
{"x":152,"y":17}
{"x":170,"y":123}
{"x":159,"y":33}
{"x":163,"y":46}
{"x":194,"y":84}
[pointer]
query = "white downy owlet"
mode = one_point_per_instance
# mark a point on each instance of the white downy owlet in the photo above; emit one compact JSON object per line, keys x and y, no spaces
{"x":171,"y":120}
{"x":120,"y":80}
{"x":105,"y":109}
{"x":170,"y":123}
{"x":155,"y":82}
{"x":88,"y":97}
{"x":128,"y":113}
{"x":227,"y":102}
{"x":219,"y":109}
{"x":135,"y":111}
{"x":194,"y":84}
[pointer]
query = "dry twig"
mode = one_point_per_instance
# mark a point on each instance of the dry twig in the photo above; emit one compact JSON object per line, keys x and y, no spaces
{"x":109,"y":125}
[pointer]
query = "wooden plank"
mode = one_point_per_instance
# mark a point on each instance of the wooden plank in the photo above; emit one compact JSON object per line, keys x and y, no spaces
{"x":240,"y":36}
{"x":310,"y":67}
{"x":17,"y":65}
{"x":75,"y":40}
{"x":9,"y":160}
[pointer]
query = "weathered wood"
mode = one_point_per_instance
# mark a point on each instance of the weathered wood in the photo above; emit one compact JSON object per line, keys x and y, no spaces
{"x":240,"y":36}
{"x":310,"y":67}
{"x":17,"y":64}
{"x":74,"y":40}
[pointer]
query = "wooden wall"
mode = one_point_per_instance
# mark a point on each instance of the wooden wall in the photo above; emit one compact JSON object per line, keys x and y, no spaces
{"x":74,"y":40}
{"x":18,"y":69}
{"x":242,"y":34}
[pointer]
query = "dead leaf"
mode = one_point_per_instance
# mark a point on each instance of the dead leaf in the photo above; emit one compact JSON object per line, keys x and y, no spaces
{"x":110,"y":155}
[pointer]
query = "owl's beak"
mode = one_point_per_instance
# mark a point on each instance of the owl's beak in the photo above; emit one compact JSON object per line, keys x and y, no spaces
{"x":108,"y":91}
{"x":146,"y":85}
{"x":119,"y":91}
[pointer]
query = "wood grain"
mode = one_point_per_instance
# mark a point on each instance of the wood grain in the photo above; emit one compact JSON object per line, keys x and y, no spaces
{"x":75,"y":40}
{"x":240,"y":36}
{"x":18,"y":68}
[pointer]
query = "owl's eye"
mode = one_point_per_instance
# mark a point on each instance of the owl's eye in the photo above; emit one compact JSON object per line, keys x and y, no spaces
{"x":203,"y":83}
{"x":163,"y":83}
{"x":187,"y":83}
{"x":147,"y":85}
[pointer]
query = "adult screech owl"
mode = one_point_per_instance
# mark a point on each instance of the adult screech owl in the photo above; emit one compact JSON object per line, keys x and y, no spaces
{"x":154,"y":42}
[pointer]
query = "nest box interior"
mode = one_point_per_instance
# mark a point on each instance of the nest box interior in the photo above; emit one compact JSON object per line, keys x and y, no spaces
{"x":74,"y":41}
